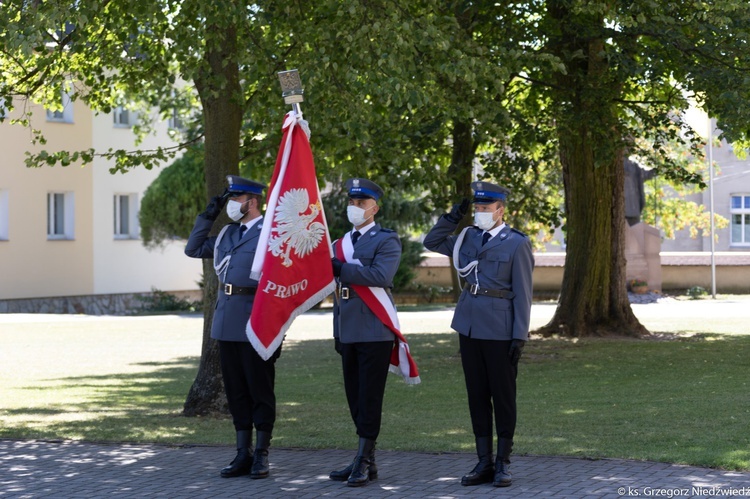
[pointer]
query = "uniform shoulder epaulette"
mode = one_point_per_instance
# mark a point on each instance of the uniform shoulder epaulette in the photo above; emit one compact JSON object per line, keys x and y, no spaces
{"x":382,"y":229}
{"x":518,"y":232}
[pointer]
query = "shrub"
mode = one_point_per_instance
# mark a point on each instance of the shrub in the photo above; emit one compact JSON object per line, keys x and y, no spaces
{"x":161,"y":301}
{"x":696,"y":292}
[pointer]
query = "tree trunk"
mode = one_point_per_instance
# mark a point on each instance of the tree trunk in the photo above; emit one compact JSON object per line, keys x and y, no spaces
{"x":593,"y":299}
{"x":206,"y":395}
{"x":460,"y":171}
{"x":220,"y":93}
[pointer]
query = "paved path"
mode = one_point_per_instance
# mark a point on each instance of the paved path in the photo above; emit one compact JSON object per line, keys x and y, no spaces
{"x":83,"y":470}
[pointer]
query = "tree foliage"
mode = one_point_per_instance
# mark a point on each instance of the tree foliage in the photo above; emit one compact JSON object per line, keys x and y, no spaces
{"x":623,"y":68}
{"x":171,"y":202}
{"x":670,"y":204}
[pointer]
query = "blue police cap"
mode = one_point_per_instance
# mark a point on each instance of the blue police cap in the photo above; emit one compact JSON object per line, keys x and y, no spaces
{"x":486,"y":192}
{"x":239,"y":185}
{"x":362,"y":188}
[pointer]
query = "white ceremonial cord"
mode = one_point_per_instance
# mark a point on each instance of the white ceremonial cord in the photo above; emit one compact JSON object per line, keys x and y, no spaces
{"x":222,"y":266}
{"x":463,"y":272}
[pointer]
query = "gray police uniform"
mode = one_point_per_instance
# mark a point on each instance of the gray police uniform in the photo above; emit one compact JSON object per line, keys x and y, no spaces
{"x":379,"y":250}
{"x":504,"y":263}
{"x":248,"y":379}
{"x":364,"y":342}
{"x":231,"y":311}
{"x":494,"y":308}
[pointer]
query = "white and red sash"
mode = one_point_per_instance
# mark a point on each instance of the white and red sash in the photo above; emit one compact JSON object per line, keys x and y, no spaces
{"x":379,"y":303}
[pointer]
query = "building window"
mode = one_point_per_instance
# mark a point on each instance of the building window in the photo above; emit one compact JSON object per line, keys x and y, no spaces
{"x":740,"y":214}
{"x":3,"y":215}
{"x":64,"y":115}
{"x":122,"y":117}
{"x":175,"y":122}
{"x":125,"y":216}
{"x":60,"y":215}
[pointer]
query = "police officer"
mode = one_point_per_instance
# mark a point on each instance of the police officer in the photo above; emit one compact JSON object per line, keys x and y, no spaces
{"x":362,"y":339}
{"x":248,"y":379}
{"x":491,"y":317}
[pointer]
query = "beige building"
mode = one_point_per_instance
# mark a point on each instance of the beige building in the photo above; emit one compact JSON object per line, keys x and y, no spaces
{"x":73,"y":231}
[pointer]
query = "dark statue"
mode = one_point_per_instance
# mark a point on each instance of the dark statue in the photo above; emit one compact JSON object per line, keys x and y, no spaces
{"x":635,"y":197}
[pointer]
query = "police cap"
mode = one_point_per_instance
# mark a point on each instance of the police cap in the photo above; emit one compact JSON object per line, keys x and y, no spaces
{"x":486,"y":192}
{"x":239,"y":185}
{"x":360,"y":188}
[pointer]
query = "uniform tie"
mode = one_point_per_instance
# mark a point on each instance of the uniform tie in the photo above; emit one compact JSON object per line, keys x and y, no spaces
{"x":243,"y":228}
{"x":485,"y":237}
{"x":355,"y":237}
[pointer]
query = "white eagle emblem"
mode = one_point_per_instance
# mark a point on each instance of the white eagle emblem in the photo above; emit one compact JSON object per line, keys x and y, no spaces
{"x":294,"y":228}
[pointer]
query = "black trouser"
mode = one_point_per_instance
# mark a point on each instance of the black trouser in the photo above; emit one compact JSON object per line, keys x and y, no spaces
{"x":365,"y":367}
{"x":490,"y":380}
{"x":249,"y":385}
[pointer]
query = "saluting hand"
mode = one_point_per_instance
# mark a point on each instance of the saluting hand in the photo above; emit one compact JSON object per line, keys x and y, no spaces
{"x":214,"y":207}
{"x":458,"y":212}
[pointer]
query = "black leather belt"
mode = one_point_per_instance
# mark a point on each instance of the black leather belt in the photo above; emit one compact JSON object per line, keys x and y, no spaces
{"x":230,"y":290}
{"x":495,"y":293}
{"x":344,"y":292}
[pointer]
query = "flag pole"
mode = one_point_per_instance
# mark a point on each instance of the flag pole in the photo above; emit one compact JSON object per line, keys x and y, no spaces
{"x":293,"y":93}
{"x":292,"y":259}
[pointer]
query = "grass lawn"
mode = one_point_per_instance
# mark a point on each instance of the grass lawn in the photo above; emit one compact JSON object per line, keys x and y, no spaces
{"x":684,"y":401}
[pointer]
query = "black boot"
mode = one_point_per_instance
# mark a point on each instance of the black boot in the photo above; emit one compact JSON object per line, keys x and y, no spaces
{"x":361,"y":465}
{"x":484,"y":470}
{"x":244,"y":460}
{"x":502,"y":464}
{"x":260,"y":459}
{"x":343,"y":475}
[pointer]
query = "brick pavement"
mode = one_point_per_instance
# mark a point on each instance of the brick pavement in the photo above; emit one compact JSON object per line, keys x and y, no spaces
{"x":86,"y":470}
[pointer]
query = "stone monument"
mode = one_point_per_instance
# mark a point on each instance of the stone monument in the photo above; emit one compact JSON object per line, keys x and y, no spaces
{"x":642,"y":241}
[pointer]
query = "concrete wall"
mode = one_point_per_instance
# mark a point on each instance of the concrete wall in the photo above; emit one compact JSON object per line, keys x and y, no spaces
{"x":680,"y":271}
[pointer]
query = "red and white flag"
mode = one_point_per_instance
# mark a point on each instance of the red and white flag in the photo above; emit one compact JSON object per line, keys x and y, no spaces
{"x":378,"y":301}
{"x":293,"y":261}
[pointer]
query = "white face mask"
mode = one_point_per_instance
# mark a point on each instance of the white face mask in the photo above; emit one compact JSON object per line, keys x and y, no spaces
{"x":485,"y":220}
{"x":234,"y":209}
{"x":356,"y":215}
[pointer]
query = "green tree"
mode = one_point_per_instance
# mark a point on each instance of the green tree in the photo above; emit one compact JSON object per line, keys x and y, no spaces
{"x":107,"y":51}
{"x":436,"y":74}
{"x":626,"y":66}
{"x":669,"y":203}
{"x":171,"y":201}
{"x":412,"y":96}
